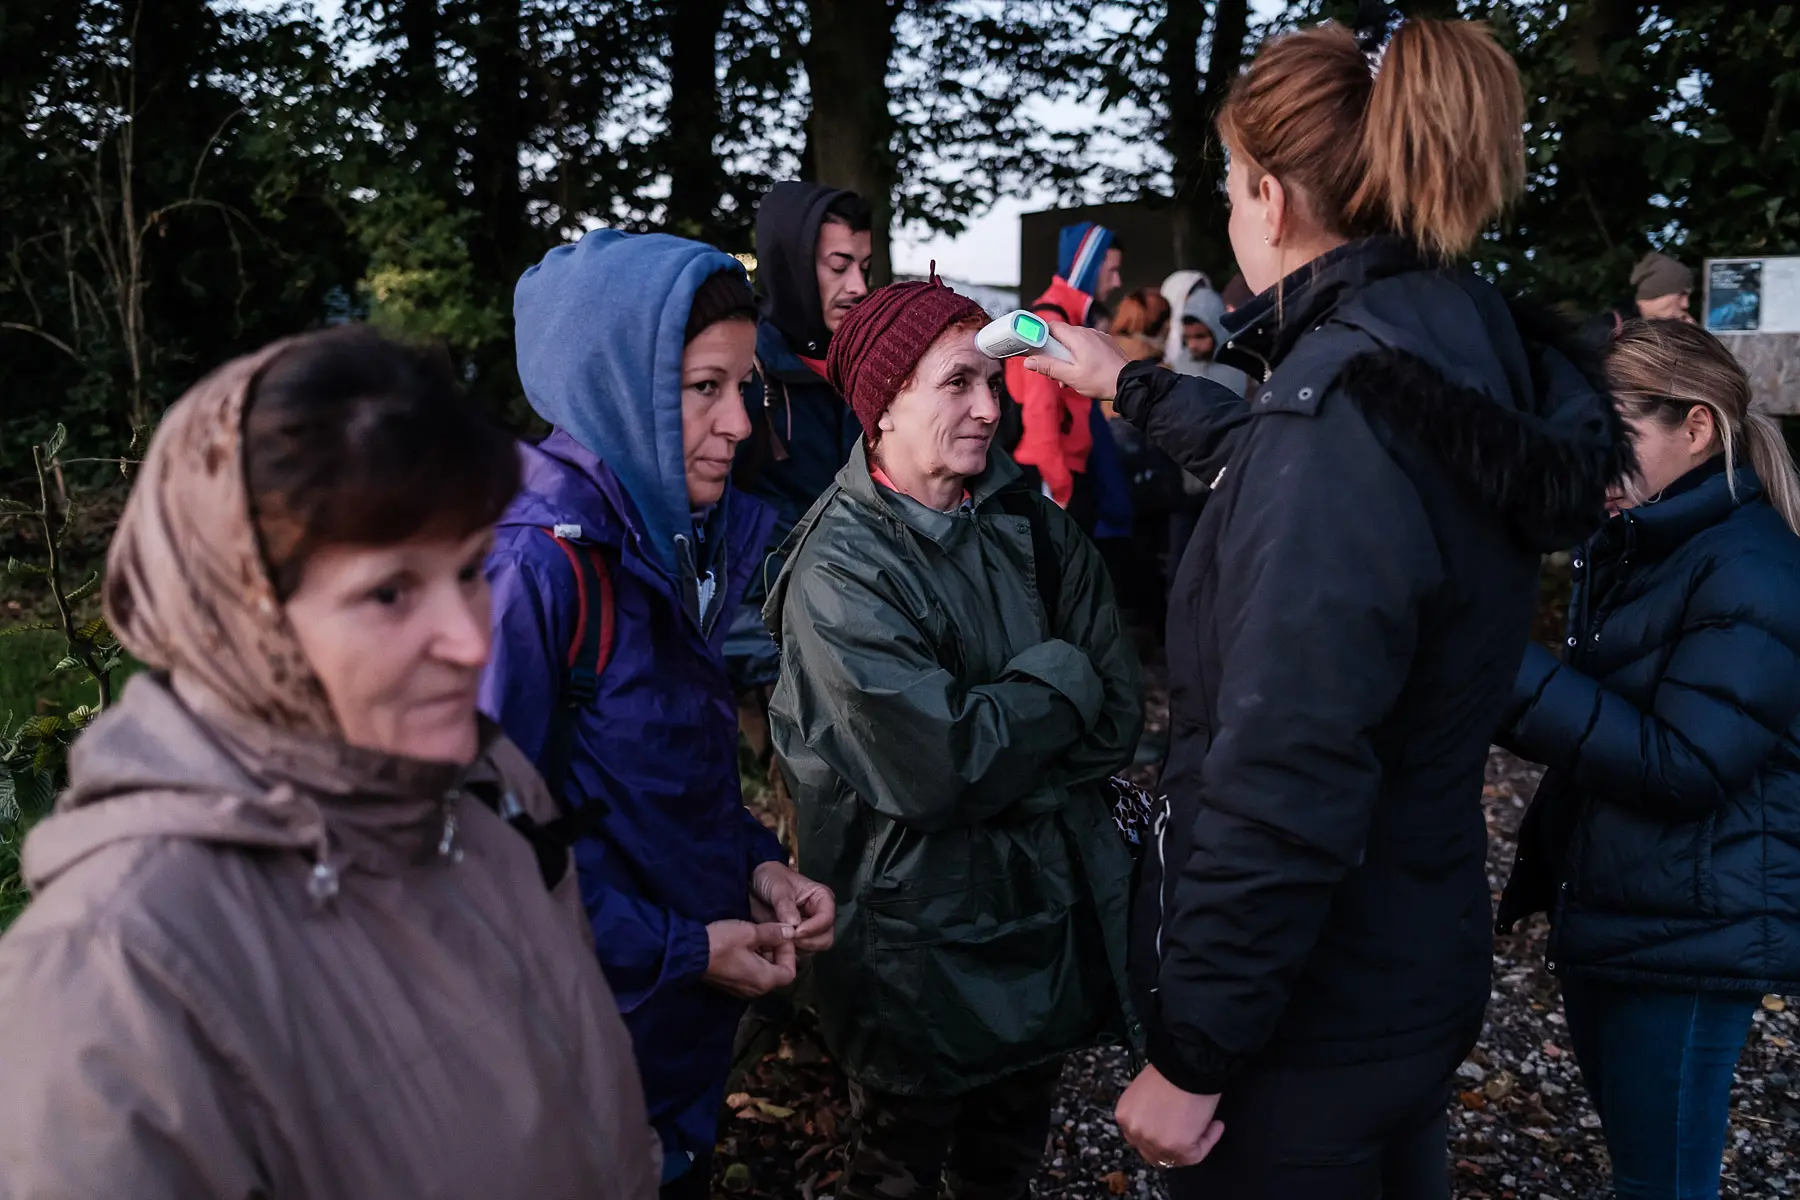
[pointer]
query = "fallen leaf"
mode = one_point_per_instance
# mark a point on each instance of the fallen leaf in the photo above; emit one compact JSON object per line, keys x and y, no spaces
{"x":779,"y":1112}
{"x":1500,"y":1086}
{"x":1474,"y":1100}
{"x":737,"y":1178}
{"x":1116,"y":1183}
{"x":1774,"y":1004}
{"x":826,"y":1120}
{"x":737,"y":1100}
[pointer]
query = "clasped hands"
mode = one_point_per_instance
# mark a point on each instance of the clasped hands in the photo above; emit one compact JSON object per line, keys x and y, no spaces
{"x":792,"y":915}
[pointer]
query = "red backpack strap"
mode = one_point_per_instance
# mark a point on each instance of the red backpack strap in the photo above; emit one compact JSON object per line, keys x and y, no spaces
{"x":590,"y":649}
{"x":608,"y":610}
{"x":591,"y":645}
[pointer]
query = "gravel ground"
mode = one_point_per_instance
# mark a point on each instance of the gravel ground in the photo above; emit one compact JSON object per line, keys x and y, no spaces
{"x":1521,"y":1126}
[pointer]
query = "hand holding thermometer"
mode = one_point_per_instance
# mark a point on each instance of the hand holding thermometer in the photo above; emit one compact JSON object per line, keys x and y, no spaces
{"x":1019,"y":332}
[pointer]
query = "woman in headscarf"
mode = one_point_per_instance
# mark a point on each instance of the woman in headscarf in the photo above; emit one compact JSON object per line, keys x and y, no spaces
{"x":956,"y":688}
{"x":281,"y":943}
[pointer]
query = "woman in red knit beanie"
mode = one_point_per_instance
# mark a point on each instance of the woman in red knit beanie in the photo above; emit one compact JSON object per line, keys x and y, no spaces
{"x":956,"y":688}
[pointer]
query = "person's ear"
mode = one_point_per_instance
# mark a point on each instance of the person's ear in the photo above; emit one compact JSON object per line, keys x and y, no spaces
{"x":1273,"y":199}
{"x":1701,"y":428}
{"x":885,"y":423}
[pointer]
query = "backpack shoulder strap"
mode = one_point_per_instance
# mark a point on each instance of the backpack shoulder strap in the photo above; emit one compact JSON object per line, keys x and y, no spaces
{"x":590,"y":650}
{"x":1045,"y":565}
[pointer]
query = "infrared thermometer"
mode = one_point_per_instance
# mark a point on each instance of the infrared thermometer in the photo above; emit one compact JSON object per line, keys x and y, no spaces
{"x":1019,"y":332}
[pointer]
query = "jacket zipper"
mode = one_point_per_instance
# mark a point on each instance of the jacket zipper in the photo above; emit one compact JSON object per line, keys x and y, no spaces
{"x":1162,"y":885}
{"x":1585,"y":626}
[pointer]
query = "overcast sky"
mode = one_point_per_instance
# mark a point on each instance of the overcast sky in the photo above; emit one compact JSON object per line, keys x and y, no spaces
{"x":988,"y":251}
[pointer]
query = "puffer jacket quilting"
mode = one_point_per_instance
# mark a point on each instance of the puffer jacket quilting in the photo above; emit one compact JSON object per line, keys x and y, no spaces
{"x":1665,"y":839}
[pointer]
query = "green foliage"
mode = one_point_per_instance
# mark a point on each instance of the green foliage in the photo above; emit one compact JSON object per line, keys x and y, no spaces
{"x":420,"y":283}
{"x":13,"y":896}
{"x":34,"y":747}
{"x":1670,"y":129}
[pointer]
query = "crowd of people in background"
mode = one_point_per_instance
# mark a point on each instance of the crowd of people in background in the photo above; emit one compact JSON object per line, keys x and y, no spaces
{"x":418,"y":864}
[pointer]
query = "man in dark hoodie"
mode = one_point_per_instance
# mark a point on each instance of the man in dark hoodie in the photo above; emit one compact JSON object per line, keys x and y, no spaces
{"x":813,"y":246}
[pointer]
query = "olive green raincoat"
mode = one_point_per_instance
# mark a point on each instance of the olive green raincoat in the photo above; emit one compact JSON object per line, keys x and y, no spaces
{"x":948,"y":750}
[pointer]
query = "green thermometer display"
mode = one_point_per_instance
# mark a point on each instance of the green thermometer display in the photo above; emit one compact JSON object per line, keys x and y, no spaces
{"x":1019,"y":332}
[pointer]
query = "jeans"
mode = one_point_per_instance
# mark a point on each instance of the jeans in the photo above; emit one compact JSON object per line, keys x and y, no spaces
{"x":1362,"y":1131}
{"x":1658,"y":1064}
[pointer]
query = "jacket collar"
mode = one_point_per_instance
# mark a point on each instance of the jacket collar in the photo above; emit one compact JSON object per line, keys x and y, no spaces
{"x":856,"y":481}
{"x":1704,"y":497}
{"x":1264,"y":330}
{"x":567,"y":484}
{"x":173,"y":760}
{"x":777,"y":359}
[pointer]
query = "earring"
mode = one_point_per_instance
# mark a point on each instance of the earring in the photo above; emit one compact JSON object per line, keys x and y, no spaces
{"x":1265,"y":239}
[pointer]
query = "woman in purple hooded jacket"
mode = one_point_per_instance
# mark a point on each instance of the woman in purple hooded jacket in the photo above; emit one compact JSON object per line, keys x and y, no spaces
{"x":613,"y":574}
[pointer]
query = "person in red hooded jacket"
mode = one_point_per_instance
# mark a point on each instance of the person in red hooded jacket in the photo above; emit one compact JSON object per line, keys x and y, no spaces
{"x":1057,"y":435}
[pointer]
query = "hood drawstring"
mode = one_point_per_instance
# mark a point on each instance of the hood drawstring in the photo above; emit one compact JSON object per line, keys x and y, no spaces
{"x":322,"y":883}
{"x":447,"y":847}
{"x":323,"y":880}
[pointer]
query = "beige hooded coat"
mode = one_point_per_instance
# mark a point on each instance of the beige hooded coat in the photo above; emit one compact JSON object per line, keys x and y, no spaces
{"x":264,"y":963}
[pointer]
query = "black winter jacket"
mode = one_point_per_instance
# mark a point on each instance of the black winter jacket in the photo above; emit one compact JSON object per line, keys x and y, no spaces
{"x":1665,"y":839}
{"x":802,"y":431}
{"x":1343,"y":634}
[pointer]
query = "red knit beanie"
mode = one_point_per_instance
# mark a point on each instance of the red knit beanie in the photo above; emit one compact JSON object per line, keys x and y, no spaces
{"x":881,"y":340}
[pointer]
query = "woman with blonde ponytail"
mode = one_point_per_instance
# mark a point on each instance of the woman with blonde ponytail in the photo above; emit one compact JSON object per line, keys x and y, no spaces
{"x":1311,"y":951}
{"x":1665,"y":840}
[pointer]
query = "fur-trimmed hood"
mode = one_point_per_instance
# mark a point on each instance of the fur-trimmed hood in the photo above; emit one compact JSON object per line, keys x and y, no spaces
{"x":1505,"y":394}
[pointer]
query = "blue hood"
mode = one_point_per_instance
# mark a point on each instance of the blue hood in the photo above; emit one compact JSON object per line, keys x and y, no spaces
{"x":1080,"y":251}
{"x":599,"y":326}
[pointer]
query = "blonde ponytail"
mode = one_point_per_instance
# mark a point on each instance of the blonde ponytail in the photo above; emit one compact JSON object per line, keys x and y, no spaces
{"x":1429,"y":144}
{"x":1773,"y":463}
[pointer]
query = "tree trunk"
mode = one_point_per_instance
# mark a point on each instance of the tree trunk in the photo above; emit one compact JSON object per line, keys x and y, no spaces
{"x":1193,"y":102}
{"x":1184,"y":134}
{"x":497,"y":244}
{"x":420,"y":90}
{"x":1593,"y":160}
{"x":696,"y":183}
{"x":850,"y":133}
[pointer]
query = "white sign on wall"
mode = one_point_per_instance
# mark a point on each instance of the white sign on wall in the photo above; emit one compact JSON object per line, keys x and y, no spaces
{"x":1754,"y":305}
{"x":1753,"y":295}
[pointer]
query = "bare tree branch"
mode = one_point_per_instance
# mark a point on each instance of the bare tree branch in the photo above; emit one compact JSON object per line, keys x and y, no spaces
{"x":45,"y":334}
